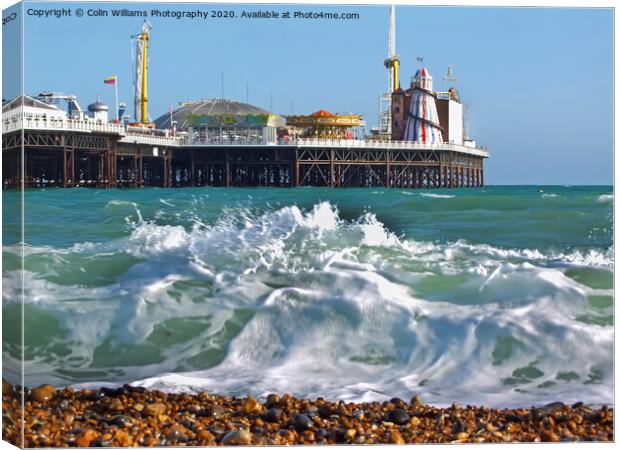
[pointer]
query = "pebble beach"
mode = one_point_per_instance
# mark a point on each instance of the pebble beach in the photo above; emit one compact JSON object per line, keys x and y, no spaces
{"x":135,"y":416}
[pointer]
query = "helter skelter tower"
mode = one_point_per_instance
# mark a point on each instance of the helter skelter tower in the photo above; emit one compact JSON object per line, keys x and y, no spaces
{"x":422,"y":119}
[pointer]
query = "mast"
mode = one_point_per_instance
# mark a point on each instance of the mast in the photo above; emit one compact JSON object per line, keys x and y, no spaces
{"x":391,"y":63}
{"x":141,"y":85}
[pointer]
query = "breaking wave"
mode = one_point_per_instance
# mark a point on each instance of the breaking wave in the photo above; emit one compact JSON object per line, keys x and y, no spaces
{"x":309,"y":303}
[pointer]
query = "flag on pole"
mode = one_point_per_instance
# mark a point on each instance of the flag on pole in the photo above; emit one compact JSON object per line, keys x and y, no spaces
{"x":110,"y":80}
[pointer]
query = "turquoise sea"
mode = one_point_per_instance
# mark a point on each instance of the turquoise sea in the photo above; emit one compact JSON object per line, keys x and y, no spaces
{"x":496,"y":295}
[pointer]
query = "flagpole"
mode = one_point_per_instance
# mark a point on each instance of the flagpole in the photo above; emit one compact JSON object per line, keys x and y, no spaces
{"x":116,"y":97}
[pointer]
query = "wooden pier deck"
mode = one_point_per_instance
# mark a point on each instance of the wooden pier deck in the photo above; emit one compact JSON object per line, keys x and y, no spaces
{"x":111,"y":158}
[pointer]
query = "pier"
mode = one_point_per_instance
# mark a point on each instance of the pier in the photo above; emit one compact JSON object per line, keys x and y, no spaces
{"x":71,"y":153}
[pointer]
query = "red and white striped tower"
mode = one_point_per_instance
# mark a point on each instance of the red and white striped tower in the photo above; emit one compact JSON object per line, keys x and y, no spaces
{"x":422,"y":119}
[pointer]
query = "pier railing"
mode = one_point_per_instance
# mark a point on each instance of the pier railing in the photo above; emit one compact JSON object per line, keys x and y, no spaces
{"x":341,"y":143}
{"x":127,"y":134}
{"x":387,"y":145}
{"x":59,"y":124}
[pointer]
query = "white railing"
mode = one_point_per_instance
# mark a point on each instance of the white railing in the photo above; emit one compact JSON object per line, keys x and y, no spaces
{"x":140,"y":138}
{"x":388,"y":145}
{"x":343,"y":143}
{"x":88,"y":126}
{"x":152,"y":137}
{"x":214,"y":142}
{"x":58,"y":124}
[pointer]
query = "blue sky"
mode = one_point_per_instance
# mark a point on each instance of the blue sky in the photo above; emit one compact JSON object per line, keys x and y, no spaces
{"x":537,"y":82}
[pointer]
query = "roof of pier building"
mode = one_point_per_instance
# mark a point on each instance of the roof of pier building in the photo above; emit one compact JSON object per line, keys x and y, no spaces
{"x":97,"y":106}
{"x":216,"y":112}
{"x":26,"y":101}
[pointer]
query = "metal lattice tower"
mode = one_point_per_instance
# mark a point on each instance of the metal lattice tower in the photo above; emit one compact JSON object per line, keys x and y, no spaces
{"x":391,"y":64}
{"x":391,"y":47}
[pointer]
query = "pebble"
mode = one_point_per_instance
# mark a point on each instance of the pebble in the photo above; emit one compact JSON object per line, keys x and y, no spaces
{"x":239,"y":437}
{"x":150,"y":418}
{"x":416,"y":400}
{"x":273,"y":415}
{"x":154,"y":409}
{"x":42,"y":393}
{"x":326,"y":412}
{"x":398,"y":416}
{"x":273,"y":400}
{"x":302,"y":422}
{"x":216,"y":411}
{"x":549,"y":436}
{"x":86,"y":438}
{"x":396,"y":437}
{"x":7,"y":388}
{"x":121,"y":421}
{"x":251,"y":405}
{"x":311,"y":411}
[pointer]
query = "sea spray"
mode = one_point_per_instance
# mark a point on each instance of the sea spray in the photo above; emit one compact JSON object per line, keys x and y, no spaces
{"x":211,"y":289}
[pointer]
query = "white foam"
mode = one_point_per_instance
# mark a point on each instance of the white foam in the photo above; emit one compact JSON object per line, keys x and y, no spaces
{"x":427,"y":194}
{"x":342,"y":309}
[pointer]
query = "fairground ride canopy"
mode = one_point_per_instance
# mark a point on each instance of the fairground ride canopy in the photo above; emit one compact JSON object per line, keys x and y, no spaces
{"x":217,"y":112}
{"x":324,"y":118}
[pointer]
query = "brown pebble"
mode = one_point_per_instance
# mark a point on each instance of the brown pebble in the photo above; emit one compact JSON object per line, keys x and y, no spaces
{"x":205,"y":436}
{"x":86,"y":438}
{"x":273,"y":400}
{"x":42,"y":393}
{"x":116,"y":405}
{"x":251,"y":405}
{"x":461,"y":436}
{"x":417,"y":401}
{"x":396,"y":438}
{"x":7,"y":388}
{"x":549,"y":436}
{"x":154,"y":409}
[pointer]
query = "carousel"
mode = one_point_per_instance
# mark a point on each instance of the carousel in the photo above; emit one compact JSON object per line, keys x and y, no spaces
{"x":324,"y":125}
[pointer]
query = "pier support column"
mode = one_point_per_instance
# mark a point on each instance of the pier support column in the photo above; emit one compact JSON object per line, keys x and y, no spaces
{"x":193,"y":170}
{"x":388,"y":160}
{"x":64,"y":167}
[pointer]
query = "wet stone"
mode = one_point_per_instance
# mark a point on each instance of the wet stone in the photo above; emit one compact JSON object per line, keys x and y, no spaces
{"x":326,"y":412}
{"x":302,"y":422}
{"x":399,"y":403}
{"x":311,"y":411}
{"x":121,"y":421}
{"x":97,"y":395}
{"x":416,"y":400}
{"x":42,"y":393}
{"x":398,"y":416}
{"x":154,"y":409}
{"x":239,"y":437}
{"x":396,"y":438}
{"x":550,"y":407}
{"x":216,"y":411}
{"x":273,"y":400}
{"x":459,"y":426}
{"x":273,"y":415}
{"x":251,"y":405}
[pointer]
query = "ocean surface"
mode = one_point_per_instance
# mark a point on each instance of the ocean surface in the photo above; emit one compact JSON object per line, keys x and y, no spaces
{"x":498,"y":295}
